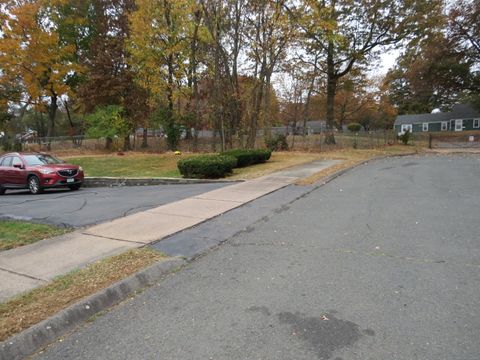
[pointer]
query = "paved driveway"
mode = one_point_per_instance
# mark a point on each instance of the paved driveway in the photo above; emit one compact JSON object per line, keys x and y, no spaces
{"x":93,"y":205}
{"x":382,"y":263}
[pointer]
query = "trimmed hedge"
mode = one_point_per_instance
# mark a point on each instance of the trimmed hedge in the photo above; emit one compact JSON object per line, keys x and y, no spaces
{"x":207,"y":166}
{"x":247,"y":157}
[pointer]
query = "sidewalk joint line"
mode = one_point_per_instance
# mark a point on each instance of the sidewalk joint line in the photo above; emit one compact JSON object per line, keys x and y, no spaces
{"x":111,"y":238}
{"x":20,"y":274}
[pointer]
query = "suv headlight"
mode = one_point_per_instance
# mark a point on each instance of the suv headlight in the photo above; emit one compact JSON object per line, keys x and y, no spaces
{"x":80,"y":169}
{"x":47,"y":171}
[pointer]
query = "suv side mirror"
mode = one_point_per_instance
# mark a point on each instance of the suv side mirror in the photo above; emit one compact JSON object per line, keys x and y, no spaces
{"x":18,"y":166}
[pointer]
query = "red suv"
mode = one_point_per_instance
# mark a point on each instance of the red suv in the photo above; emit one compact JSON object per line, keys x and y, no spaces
{"x":37,"y":171}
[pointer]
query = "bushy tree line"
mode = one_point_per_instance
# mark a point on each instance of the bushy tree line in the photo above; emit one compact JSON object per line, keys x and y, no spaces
{"x":108,"y":67}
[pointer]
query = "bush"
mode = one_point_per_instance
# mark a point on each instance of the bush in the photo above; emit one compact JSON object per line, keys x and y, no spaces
{"x":247,"y":157}
{"x":207,"y":166}
{"x":17,"y":146}
{"x":354,"y":127}
{"x":277,"y":143}
{"x":405,"y":137}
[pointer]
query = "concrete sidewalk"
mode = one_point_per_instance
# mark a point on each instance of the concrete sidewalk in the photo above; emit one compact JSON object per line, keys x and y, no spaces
{"x":33,"y":265}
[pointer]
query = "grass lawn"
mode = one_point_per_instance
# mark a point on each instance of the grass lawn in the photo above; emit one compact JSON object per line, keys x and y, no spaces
{"x":36,"y":305}
{"x":129,"y":165}
{"x":165,"y":165}
{"x":18,"y":233}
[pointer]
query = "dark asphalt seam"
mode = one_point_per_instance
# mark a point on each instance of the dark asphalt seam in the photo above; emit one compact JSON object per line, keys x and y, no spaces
{"x":24,"y":275}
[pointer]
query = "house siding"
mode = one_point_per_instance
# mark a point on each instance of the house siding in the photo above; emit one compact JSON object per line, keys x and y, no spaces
{"x":434,"y":127}
{"x":468,"y":124}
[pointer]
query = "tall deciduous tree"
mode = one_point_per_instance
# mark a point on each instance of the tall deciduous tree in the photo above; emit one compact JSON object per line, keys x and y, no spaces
{"x":225,"y":21}
{"x":349,"y":32}
{"x":33,"y":56}
{"x":269,"y":31}
{"x":434,"y":74}
{"x":159,"y":52}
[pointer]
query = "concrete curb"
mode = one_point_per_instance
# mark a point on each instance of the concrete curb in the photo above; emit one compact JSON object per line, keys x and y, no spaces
{"x":121,"y":181}
{"x":40,"y":335}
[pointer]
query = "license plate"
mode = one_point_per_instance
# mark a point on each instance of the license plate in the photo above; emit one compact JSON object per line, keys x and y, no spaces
{"x":70,"y":180}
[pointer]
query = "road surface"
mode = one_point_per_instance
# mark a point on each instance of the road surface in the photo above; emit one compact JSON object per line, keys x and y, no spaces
{"x":89,"y":206}
{"x":381,"y":263}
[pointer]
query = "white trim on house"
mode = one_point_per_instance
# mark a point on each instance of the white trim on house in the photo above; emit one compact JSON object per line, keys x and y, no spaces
{"x":444,"y":126}
{"x":478,"y":123}
{"x":425,"y":126}
{"x":458,"y":124}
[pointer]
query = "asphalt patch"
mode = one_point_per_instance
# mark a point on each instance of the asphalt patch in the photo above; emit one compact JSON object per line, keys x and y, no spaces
{"x":323,"y":334}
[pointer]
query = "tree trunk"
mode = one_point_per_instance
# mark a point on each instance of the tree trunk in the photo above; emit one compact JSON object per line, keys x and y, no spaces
{"x":267,"y":119}
{"x":145,"y":138}
{"x":257,"y":102}
{"x":108,"y":143}
{"x":52,"y":111}
{"x":126,"y":143}
{"x":331,"y":90}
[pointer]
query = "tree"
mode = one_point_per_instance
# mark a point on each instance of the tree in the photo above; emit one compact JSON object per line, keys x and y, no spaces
{"x":108,"y":122}
{"x":464,"y":30}
{"x":350,"y":32}
{"x":269,"y":31}
{"x":33,"y":56}
{"x":433,"y":74}
{"x":225,"y":22}
{"x":159,"y":52}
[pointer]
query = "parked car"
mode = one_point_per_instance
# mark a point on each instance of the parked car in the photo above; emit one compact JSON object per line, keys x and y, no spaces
{"x":36,"y":172}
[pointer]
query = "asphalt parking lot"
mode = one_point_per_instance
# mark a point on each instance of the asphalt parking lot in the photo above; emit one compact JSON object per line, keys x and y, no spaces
{"x":89,"y":206}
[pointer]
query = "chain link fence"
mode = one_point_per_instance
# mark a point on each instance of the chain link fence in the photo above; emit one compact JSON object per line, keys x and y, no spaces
{"x":211,"y":143}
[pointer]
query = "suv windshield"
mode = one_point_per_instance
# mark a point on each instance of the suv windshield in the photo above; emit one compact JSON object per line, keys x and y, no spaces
{"x":34,"y":160}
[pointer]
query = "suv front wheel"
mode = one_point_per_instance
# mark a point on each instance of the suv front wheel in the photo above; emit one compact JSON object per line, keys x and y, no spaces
{"x":34,"y":185}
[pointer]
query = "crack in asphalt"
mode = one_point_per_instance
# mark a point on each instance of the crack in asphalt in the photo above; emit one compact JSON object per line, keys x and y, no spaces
{"x":50,"y":198}
{"x":139,"y":207}
{"x":85,"y":201}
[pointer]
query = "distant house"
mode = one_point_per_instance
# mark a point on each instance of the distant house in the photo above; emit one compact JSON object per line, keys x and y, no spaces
{"x":462,"y":118}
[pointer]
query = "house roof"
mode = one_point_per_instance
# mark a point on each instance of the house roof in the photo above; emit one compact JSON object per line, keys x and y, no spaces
{"x":459,"y":111}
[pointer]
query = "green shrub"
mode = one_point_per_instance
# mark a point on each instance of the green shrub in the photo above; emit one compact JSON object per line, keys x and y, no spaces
{"x":247,"y":157}
{"x":277,"y":143}
{"x":17,"y":146}
{"x":207,"y":166}
{"x":405,"y":137}
{"x":354,"y":127}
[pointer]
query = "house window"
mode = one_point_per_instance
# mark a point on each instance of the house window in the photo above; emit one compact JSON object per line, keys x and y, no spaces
{"x":425,"y":127}
{"x":476,"y":123}
{"x":406,"y":127}
{"x":444,"y":126}
{"x":458,"y":125}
